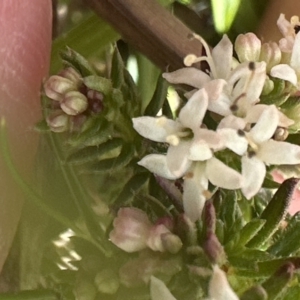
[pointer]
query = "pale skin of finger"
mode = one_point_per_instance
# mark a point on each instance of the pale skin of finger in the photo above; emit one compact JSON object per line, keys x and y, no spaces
{"x":25,"y":31}
{"x":268,"y":30}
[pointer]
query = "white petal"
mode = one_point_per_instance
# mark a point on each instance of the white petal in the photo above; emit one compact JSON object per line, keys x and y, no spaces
{"x":199,"y":150}
{"x":284,"y":25}
{"x":192,"y":114}
{"x":219,"y":288}
{"x":195,"y":183}
{"x":233,"y":122}
{"x":284,"y":72}
{"x":212,"y":138}
{"x":222,"y":56}
{"x":221,"y":105}
{"x":223,"y":176}
{"x":253,"y":171}
{"x":295,"y":59}
{"x":189,"y":76}
{"x":234,"y":141}
{"x":255,"y":85}
{"x":177,"y":158}
{"x":156,"y":129}
{"x":255,"y":112}
{"x":214,"y":89}
{"x":279,"y":153}
{"x":157,"y":164}
{"x":266,"y":125}
{"x":159,"y":291}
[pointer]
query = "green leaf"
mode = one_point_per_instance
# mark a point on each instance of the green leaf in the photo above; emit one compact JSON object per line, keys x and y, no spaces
{"x":224,"y":12}
{"x":98,"y":132}
{"x":99,"y":84}
{"x":241,"y":237}
{"x":289,"y":241}
{"x":112,"y":164}
{"x":256,"y":292}
{"x":148,"y":75}
{"x":73,"y":59}
{"x":93,"y":153}
{"x":278,"y":283}
{"x":133,"y":185}
{"x":277,"y":96}
{"x":274,"y":213}
{"x":158,"y":98}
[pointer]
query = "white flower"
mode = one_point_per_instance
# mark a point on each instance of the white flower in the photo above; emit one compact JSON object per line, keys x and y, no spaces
{"x":188,"y":141}
{"x":229,"y":91}
{"x":219,"y":61}
{"x":289,"y":31}
{"x":131,"y":229}
{"x":291,"y":43}
{"x":134,"y":232}
{"x":219,"y":288}
{"x":196,"y":180}
{"x":260,"y":147}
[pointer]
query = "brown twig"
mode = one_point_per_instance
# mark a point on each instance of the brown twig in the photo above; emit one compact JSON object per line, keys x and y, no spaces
{"x":149,"y":28}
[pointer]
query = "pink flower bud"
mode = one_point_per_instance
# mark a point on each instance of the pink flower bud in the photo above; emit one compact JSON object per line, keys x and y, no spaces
{"x":56,"y":86}
{"x":271,"y":54}
{"x":131,"y":229}
{"x":154,"y":241}
{"x":247,"y":47}
{"x":58,"y":121}
{"x":72,"y":75}
{"x":74,"y":103}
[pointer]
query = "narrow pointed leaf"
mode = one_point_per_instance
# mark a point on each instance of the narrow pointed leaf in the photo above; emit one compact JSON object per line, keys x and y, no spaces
{"x":158,"y":98}
{"x":274,"y":213}
{"x":117,"y":70}
{"x":93,"y":153}
{"x":255,"y":293}
{"x":278,"y":283}
{"x":110,"y":164}
{"x":77,"y":61}
{"x":98,"y":83}
{"x":248,"y":232}
{"x":289,"y":241}
{"x":133,"y":185}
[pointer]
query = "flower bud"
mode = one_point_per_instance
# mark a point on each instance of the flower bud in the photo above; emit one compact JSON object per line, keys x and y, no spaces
{"x":171,"y":242}
{"x":56,"y":86}
{"x":58,"y":121}
{"x":131,"y":229}
{"x":268,"y":86}
{"x":271,"y":54}
{"x":154,"y":241}
{"x":72,"y":75}
{"x":247,"y":47}
{"x":107,"y":282}
{"x":74,"y":103}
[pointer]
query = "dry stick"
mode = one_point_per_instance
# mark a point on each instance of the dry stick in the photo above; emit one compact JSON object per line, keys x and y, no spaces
{"x":150,"y":29}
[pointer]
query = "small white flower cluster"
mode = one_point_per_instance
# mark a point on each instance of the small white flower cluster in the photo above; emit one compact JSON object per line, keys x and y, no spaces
{"x":231,"y":89}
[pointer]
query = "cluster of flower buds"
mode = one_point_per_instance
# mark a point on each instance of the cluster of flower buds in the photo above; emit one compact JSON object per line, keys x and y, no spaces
{"x":134,"y":232}
{"x":250,"y":130}
{"x":71,"y":100}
